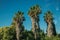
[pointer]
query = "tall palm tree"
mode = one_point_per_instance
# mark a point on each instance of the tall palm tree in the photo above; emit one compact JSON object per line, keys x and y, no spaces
{"x":48,"y":17}
{"x":18,"y":21}
{"x":34,"y":14}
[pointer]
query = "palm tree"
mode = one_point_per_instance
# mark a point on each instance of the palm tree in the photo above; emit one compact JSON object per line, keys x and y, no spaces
{"x":34,"y":14}
{"x":48,"y":17}
{"x":18,"y":21}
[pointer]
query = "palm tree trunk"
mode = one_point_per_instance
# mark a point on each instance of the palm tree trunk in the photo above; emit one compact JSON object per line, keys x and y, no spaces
{"x":51,"y":30}
{"x":17,"y":32}
{"x":35,"y":28}
{"x":33,"y":25}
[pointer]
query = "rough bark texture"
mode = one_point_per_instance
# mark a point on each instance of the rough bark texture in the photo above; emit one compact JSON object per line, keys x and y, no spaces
{"x":17,"y":31}
{"x":51,"y":30}
{"x":35,"y":28}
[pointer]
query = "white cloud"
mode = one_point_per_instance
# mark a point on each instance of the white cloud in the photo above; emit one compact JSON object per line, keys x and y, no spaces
{"x":55,"y":21}
{"x":59,"y":18}
{"x":57,"y":8}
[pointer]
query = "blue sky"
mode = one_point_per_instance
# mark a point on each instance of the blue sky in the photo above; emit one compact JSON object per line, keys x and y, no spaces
{"x":8,"y":8}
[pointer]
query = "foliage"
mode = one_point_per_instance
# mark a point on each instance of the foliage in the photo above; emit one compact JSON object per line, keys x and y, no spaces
{"x":34,"y":10}
{"x":8,"y":33}
{"x":48,"y":16}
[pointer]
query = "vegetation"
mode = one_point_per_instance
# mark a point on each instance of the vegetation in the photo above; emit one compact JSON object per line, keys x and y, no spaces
{"x":34,"y":14}
{"x":16,"y":30}
{"x":48,"y":17}
{"x":18,"y":21}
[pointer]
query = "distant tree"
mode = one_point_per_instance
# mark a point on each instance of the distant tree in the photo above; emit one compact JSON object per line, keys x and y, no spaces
{"x":34,"y":14}
{"x":6,"y":33}
{"x":18,"y":20}
{"x":1,"y":33}
{"x":12,"y":32}
{"x":48,"y":17}
{"x":28,"y":35}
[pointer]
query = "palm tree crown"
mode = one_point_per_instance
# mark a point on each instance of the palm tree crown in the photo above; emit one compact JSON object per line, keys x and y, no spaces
{"x":19,"y":17}
{"x":48,"y":17}
{"x":34,"y":10}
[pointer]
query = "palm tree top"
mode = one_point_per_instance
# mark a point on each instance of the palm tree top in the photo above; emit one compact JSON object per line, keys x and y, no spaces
{"x":34,"y":10}
{"x":48,"y":16}
{"x":19,"y":16}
